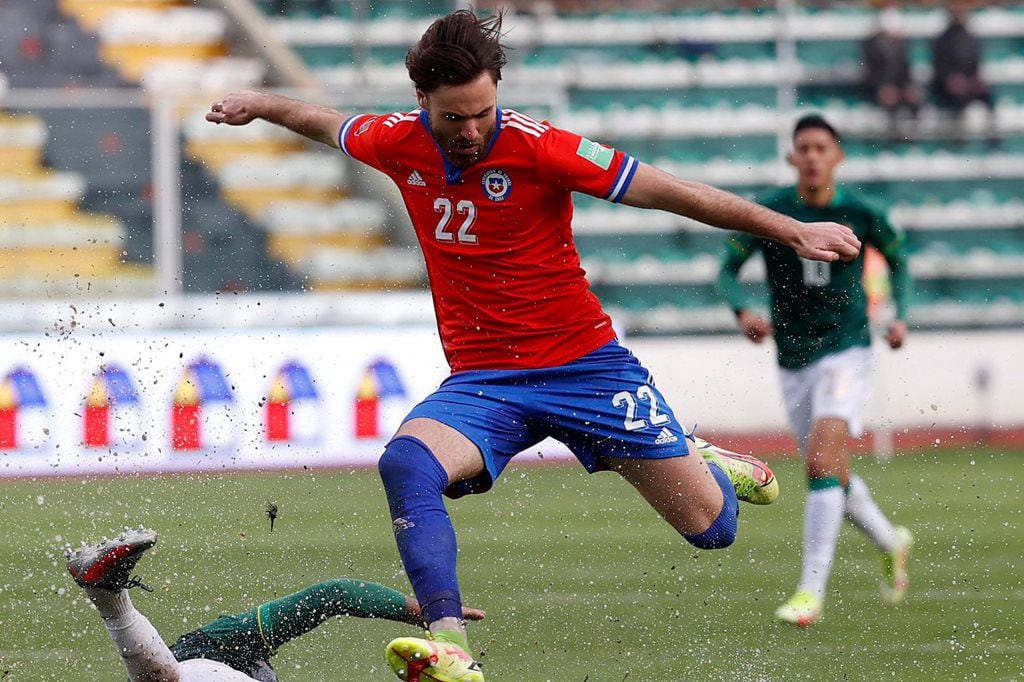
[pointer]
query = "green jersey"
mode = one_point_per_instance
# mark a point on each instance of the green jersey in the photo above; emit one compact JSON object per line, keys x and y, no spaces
{"x":817,"y":308}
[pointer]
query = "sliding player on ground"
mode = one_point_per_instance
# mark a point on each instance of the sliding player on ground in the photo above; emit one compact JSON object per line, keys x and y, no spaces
{"x":236,"y":647}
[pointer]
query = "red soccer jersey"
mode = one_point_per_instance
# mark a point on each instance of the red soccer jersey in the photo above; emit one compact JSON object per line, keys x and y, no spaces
{"x":509,"y":292}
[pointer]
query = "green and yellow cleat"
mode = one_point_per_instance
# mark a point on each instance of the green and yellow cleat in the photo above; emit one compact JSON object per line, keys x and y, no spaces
{"x":422,"y":660}
{"x":894,"y":567}
{"x":802,"y":609}
{"x":754,"y":481}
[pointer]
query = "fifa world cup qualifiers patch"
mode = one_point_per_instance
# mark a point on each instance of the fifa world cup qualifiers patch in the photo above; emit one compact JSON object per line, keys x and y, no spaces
{"x":595,"y":153}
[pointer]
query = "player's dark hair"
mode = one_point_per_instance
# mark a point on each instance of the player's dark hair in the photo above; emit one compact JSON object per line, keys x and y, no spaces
{"x":815,"y":121}
{"x":455,"y":50}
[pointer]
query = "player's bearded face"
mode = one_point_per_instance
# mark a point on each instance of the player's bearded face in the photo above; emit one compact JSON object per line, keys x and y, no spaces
{"x":462,"y":118}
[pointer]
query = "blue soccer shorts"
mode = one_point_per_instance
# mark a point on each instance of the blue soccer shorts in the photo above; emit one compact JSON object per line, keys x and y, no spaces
{"x":602,"y":405}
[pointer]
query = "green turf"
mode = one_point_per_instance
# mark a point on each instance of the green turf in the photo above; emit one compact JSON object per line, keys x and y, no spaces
{"x":581,"y":580}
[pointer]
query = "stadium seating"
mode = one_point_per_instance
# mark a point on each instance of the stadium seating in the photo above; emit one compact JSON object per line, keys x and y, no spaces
{"x":696,"y":92}
{"x":262,"y":171}
{"x":165,"y":44}
{"x":47,"y":244}
{"x":55,"y":241}
{"x":230,"y":178}
{"x":84,"y":228}
{"x":134,"y":40}
{"x":91,"y":13}
{"x":298,"y":198}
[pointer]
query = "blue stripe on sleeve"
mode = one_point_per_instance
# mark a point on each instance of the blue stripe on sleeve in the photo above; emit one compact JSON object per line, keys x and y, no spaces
{"x":622,"y":179}
{"x":343,"y":133}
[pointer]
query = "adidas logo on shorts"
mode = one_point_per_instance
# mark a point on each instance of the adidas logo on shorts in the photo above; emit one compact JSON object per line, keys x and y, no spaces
{"x":665,"y":436}
{"x":416,"y":180}
{"x":401,"y":524}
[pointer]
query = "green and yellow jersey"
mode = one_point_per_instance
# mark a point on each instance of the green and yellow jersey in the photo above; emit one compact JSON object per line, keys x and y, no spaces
{"x":817,"y":308}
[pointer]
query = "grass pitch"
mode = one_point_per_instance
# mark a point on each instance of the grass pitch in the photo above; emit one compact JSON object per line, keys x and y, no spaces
{"x":581,"y":580}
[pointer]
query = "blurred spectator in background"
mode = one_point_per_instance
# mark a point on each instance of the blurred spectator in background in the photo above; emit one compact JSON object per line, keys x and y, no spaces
{"x":887,"y":66}
{"x":956,"y":60}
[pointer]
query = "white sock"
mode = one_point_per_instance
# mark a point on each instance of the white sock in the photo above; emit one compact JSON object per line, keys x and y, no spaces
{"x":862,"y":512}
{"x":144,"y":653}
{"x":823,"y":516}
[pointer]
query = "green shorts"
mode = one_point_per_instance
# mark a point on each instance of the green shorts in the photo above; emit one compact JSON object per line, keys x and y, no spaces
{"x":232,"y":640}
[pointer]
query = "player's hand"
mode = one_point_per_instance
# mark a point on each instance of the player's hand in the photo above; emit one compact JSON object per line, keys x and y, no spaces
{"x":237,"y":109}
{"x":472,"y":614}
{"x":827,"y":242}
{"x":415,"y":613}
{"x":897,"y":334}
{"x":755,"y":327}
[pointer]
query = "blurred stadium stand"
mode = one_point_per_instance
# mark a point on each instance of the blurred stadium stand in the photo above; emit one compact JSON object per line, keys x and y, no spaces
{"x":74,"y":79}
{"x":697,"y":91}
{"x":48,"y":241}
{"x":709,"y":94}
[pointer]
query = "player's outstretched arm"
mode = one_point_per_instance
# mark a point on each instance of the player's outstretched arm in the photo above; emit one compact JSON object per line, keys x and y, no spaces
{"x":653,"y":188}
{"x":320,"y":124}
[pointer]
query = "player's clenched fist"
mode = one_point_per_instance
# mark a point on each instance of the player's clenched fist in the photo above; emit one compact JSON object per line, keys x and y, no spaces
{"x":827,"y":242}
{"x":236,"y":109}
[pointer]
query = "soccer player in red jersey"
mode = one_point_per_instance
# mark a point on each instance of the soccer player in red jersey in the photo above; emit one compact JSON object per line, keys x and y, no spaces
{"x":532,"y":353}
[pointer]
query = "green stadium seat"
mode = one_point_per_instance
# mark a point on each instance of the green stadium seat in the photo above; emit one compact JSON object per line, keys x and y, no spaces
{"x":404,"y":8}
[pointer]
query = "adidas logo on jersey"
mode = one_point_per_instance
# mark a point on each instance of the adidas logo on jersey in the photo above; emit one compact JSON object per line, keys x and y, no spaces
{"x":665,"y":436}
{"x":416,"y":180}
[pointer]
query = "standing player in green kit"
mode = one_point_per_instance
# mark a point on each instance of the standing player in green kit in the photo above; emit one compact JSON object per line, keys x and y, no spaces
{"x":820,"y":323}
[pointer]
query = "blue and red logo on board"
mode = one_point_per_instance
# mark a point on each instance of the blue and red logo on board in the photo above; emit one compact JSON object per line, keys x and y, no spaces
{"x":112,"y":416}
{"x":24,"y":411}
{"x":203,"y":412}
{"x":381,"y":401}
{"x":293,"y":408}
{"x":497,"y":185}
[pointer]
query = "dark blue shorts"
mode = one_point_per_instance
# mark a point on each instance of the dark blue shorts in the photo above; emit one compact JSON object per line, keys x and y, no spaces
{"x":601,"y":405}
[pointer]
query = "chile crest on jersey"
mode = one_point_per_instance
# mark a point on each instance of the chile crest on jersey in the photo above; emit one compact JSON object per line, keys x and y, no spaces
{"x":497,"y":185}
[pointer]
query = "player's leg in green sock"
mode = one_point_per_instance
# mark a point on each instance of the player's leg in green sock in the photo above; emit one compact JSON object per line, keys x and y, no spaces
{"x":243,"y":639}
{"x":284,"y":619}
{"x":827,"y":471}
{"x":823,"y":516}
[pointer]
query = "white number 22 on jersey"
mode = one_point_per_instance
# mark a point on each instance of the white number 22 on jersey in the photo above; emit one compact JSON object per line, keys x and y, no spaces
{"x":644,"y":393}
{"x":464,"y":208}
